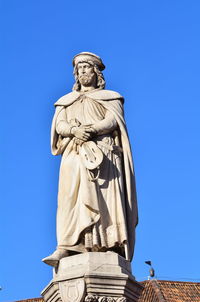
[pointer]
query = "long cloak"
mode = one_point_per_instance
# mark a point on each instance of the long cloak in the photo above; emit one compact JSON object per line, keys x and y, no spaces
{"x":113,"y":102}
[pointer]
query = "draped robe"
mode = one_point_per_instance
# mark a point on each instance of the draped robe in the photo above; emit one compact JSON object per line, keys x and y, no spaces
{"x":101,"y":214}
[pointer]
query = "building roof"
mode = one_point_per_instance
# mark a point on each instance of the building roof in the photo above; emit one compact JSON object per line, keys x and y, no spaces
{"x":170,"y":291}
{"x":162,"y":291}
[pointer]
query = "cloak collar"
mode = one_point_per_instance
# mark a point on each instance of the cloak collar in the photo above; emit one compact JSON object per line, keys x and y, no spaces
{"x":105,"y":95}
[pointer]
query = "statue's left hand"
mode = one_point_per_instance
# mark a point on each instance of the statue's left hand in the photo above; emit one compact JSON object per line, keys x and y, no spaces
{"x":91,"y":130}
{"x":81,"y":133}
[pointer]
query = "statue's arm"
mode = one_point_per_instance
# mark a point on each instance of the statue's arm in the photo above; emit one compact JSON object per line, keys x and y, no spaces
{"x":62,"y":126}
{"x":72,"y":129}
{"x":107,"y":125}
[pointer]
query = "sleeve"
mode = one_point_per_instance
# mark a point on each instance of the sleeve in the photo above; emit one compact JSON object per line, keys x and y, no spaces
{"x":108,"y":124}
{"x":62,"y":126}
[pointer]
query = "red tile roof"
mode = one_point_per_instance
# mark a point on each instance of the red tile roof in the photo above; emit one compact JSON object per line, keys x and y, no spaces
{"x":170,"y":291}
{"x":162,"y":291}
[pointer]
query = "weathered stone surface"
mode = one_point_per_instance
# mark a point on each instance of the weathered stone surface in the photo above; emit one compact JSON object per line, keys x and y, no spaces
{"x":72,"y":290}
{"x":104,"y":264}
{"x":93,"y":277}
{"x":97,"y":205}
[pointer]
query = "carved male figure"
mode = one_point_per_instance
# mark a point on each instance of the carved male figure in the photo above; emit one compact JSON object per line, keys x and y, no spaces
{"x":97,"y":208}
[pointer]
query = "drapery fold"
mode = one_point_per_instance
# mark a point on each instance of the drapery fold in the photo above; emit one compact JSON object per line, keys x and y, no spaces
{"x":111,"y":216}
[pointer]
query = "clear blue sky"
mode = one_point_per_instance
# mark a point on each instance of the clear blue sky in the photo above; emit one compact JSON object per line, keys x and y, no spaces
{"x":152,"y":53}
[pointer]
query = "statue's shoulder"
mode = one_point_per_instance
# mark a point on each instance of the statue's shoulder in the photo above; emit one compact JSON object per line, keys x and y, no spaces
{"x":67,"y":99}
{"x":105,"y":95}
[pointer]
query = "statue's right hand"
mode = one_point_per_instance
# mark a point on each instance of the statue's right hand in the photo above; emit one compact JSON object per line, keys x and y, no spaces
{"x":81,"y":133}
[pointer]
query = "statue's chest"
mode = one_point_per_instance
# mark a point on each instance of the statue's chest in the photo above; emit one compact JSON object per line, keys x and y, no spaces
{"x":86,"y":111}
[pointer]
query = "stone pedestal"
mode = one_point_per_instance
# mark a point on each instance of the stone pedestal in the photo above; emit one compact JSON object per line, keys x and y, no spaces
{"x":93,"y":277}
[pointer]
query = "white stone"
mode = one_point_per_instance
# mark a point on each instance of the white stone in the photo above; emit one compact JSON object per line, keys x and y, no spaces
{"x":104,"y":275}
{"x":97,"y":206}
{"x":108,"y":263}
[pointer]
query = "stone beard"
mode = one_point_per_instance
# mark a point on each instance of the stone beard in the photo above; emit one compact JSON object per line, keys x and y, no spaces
{"x":97,"y":207}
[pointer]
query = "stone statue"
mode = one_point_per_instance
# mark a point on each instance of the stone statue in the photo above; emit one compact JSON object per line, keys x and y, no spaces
{"x":97,"y":207}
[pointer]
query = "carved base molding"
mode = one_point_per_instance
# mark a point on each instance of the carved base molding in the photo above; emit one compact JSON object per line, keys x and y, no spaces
{"x":93,"y":277}
{"x":90,"y":298}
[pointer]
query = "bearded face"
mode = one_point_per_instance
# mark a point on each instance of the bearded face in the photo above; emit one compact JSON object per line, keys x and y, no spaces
{"x":86,"y":75}
{"x":86,"y":80}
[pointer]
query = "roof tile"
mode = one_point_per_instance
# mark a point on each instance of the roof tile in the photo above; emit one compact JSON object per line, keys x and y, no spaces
{"x":170,"y":291}
{"x":162,"y":291}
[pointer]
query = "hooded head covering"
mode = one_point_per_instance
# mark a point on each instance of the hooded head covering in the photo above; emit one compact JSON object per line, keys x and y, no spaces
{"x":88,"y":56}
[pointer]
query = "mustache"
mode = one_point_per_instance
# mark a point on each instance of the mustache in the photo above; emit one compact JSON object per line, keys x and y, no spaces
{"x":85,"y":76}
